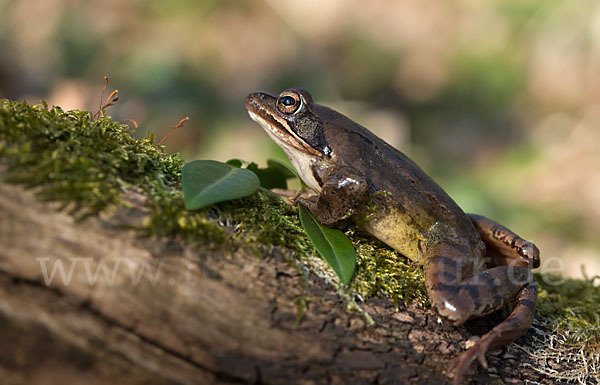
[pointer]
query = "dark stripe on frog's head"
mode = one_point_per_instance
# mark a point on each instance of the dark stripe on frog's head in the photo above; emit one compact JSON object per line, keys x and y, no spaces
{"x":290,"y":119}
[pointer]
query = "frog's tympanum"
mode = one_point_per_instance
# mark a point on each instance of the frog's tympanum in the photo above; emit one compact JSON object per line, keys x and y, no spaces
{"x":472,"y":264}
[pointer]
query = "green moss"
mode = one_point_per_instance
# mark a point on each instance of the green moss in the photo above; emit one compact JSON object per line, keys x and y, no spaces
{"x":168,"y":217}
{"x":570,"y":307}
{"x":89,"y":164}
{"x":82,"y":162}
{"x":265,"y":219}
{"x":566,"y":329}
{"x":380,"y":271}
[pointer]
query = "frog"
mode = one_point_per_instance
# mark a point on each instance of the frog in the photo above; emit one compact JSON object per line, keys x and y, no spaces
{"x":472,"y":265}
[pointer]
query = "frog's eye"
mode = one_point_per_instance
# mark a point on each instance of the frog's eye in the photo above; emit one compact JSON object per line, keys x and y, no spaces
{"x":289,"y":102}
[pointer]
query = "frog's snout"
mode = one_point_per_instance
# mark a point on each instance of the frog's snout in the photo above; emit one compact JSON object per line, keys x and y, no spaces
{"x":253,"y":100}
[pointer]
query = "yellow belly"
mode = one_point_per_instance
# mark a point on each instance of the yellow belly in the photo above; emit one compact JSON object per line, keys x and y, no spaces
{"x":394,"y":229}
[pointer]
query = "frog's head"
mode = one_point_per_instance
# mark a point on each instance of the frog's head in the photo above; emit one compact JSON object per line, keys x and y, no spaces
{"x":291,"y":121}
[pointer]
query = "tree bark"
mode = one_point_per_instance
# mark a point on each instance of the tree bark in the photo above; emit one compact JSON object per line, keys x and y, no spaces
{"x":132,"y":310}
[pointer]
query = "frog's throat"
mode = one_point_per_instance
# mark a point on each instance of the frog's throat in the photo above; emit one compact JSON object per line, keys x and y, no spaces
{"x":302,"y":161}
{"x":280,"y":132}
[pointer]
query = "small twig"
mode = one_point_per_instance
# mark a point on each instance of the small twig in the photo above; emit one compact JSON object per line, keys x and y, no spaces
{"x":178,"y":125}
{"x":102,"y":96}
{"x":133,"y":122}
{"x":110,"y":101}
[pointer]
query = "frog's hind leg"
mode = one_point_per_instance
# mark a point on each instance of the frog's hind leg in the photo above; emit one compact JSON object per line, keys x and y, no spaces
{"x":504,"y":249}
{"x":461,"y":287}
{"x":478,"y":294}
{"x":504,"y":333}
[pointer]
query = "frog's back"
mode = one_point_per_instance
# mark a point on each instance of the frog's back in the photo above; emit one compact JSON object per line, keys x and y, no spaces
{"x":408,"y":202}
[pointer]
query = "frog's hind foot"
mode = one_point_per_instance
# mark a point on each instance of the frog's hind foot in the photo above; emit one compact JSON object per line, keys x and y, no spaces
{"x":514,"y":326}
{"x":459,"y":365}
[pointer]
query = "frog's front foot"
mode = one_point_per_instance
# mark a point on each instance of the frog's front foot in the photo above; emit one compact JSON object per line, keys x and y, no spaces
{"x":342,"y":194}
{"x":310,"y":202}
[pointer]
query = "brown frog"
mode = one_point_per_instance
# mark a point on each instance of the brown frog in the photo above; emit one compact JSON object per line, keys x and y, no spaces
{"x":473,"y":265}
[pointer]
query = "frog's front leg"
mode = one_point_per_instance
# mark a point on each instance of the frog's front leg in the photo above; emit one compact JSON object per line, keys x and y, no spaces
{"x":343,"y":193}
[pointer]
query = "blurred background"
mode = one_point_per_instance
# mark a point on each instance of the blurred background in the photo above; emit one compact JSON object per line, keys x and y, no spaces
{"x":497,"y":100}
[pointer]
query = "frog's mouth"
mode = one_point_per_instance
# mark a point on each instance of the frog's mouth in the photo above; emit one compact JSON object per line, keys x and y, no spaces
{"x":262,"y":109}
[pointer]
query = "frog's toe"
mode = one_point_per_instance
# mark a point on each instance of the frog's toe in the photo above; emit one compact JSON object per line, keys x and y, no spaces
{"x":461,"y":364}
{"x":306,"y":202}
{"x":481,"y":358}
{"x":458,"y":366}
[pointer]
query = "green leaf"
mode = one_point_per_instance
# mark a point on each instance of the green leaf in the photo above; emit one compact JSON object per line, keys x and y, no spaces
{"x":282,"y":168}
{"x":205,"y":182}
{"x":235,"y":162}
{"x":332,"y":244}
{"x":275,"y":175}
